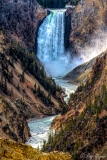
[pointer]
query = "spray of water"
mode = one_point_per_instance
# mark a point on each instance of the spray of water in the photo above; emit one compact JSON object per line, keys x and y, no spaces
{"x":51,"y":51}
{"x":98,"y":44}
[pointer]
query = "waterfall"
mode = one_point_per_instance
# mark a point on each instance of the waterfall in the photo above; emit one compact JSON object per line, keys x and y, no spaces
{"x":50,"y":42}
{"x":50,"y":45}
{"x":51,"y":37}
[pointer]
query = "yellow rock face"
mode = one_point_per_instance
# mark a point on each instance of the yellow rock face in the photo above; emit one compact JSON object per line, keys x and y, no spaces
{"x":10,"y":150}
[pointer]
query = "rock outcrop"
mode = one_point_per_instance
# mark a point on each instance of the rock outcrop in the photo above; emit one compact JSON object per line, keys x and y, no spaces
{"x":82,"y":130}
{"x":81,"y":72}
{"x":88,"y":27}
{"x":17,"y":151}
{"x":20,"y":20}
{"x":68,"y":16}
{"x":13,"y":123}
{"x":26,"y":96}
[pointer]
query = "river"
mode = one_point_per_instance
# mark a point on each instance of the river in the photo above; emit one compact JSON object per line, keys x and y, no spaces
{"x":39,"y":128}
{"x":51,"y":52}
{"x":68,"y":87}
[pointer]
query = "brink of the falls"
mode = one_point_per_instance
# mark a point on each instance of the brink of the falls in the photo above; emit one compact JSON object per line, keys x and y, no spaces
{"x":50,"y":44}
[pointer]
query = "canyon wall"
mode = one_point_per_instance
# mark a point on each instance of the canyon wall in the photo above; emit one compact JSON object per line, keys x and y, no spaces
{"x":88,"y":24}
{"x":20,"y":20}
{"x":13,"y":122}
{"x":26,"y":97}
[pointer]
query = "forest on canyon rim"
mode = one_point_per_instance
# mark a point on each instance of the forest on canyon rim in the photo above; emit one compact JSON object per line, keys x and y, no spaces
{"x":57,"y":3}
{"x":26,"y":92}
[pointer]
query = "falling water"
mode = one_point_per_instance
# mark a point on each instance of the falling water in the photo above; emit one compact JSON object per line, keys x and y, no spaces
{"x":51,"y":53}
{"x":57,"y":62}
{"x":51,"y":37}
{"x":50,"y":44}
{"x":51,"y":50}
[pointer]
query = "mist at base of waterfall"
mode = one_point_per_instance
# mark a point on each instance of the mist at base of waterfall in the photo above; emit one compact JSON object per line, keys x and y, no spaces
{"x":51,"y":51}
{"x":61,"y":66}
{"x":50,"y":46}
{"x":68,"y":62}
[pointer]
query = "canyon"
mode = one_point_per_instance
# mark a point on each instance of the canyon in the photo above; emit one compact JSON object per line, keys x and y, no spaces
{"x":25,"y":90}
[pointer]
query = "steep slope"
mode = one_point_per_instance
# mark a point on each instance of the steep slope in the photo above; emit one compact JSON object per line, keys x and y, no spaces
{"x":83,"y":129}
{"x":25,"y":86}
{"x":13,"y":123}
{"x":81,"y":72}
{"x":20,"y":19}
{"x":88,"y":27}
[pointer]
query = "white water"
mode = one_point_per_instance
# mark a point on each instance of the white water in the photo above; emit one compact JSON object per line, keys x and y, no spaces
{"x":39,"y":129}
{"x":57,"y":63}
{"x":51,"y":42}
{"x":50,"y":45}
{"x":51,"y":51}
{"x":51,"y":37}
{"x":52,"y":54}
{"x":68,"y":88}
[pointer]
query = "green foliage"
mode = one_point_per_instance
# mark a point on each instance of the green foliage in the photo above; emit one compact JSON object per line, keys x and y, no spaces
{"x":74,"y":2}
{"x":16,"y":53}
{"x":56,"y":3}
{"x":79,"y":129}
{"x":64,"y":107}
{"x":22,"y":77}
{"x":28,"y":62}
{"x":45,"y":99}
{"x":6,"y":75}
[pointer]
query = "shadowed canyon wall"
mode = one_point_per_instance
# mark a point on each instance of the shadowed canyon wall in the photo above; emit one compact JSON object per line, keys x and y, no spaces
{"x":21,"y":19}
{"x":84,"y":22}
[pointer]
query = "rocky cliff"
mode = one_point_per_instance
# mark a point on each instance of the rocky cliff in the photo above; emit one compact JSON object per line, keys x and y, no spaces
{"x":13,"y":123}
{"x":28,"y":92}
{"x":82,"y":130}
{"x":80,"y":73}
{"x":20,"y":19}
{"x":88,"y":27}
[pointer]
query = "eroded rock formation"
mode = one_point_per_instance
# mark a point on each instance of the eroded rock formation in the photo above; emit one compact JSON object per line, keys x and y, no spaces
{"x":13,"y":122}
{"x":20,"y":20}
{"x":88,"y":23}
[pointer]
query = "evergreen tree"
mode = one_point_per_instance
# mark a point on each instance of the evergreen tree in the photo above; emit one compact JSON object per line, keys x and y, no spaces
{"x":23,"y":76}
{"x":5,"y":86}
{"x":57,"y":3}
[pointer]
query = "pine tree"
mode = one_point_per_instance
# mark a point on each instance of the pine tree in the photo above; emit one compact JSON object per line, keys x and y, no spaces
{"x":23,"y":76}
{"x":5,"y":86}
